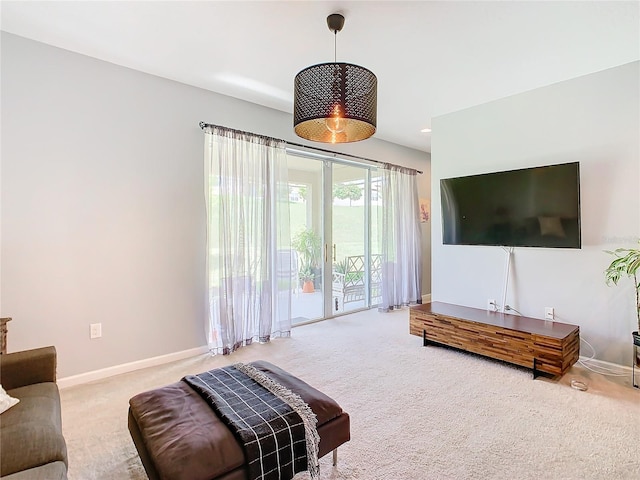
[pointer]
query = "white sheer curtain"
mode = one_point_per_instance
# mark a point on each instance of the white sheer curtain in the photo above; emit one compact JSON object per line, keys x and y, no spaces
{"x":400,"y":239}
{"x":247,"y":205}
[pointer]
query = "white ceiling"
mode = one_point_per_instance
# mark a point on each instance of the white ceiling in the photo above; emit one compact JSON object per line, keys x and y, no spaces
{"x":431,"y":58}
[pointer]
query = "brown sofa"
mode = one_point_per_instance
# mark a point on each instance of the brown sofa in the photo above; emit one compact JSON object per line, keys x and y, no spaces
{"x":31,"y":440}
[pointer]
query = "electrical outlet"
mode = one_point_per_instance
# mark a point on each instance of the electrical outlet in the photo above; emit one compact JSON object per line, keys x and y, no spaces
{"x":96,"y":330}
{"x":491,"y":305}
{"x":548,"y":313}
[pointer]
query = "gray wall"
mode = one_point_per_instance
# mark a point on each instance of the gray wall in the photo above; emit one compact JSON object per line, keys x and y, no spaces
{"x":593,"y":119}
{"x":102,"y":215}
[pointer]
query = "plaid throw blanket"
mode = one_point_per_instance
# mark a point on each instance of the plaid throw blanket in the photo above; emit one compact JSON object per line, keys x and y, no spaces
{"x":275,"y":426}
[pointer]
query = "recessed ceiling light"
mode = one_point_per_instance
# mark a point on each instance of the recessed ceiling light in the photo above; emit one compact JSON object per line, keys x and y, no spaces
{"x":425,"y":130}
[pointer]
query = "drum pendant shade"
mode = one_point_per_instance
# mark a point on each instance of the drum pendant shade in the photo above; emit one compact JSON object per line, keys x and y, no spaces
{"x":335,"y":102}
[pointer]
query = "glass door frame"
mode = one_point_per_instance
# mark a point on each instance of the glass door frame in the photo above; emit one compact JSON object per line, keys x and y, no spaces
{"x":327,"y":237}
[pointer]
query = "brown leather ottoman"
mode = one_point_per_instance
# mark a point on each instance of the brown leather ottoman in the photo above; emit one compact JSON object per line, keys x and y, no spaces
{"x":179,"y":437}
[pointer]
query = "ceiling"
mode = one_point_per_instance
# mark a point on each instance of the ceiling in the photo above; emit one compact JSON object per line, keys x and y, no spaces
{"x":430,"y":57}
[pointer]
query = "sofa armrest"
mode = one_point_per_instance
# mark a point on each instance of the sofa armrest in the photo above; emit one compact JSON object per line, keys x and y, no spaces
{"x":27,"y":367}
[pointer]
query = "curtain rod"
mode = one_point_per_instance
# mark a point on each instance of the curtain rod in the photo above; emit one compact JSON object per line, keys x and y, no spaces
{"x":204,"y":125}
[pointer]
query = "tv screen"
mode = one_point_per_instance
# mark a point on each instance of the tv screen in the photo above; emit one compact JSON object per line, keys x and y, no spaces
{"x":531,"y":207}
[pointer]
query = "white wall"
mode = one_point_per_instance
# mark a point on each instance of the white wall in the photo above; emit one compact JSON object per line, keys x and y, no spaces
{"x":593,"y":119}
{"x":102,"y":207}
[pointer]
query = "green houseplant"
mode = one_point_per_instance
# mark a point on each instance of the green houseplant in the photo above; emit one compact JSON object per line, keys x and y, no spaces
{"x":627,"y":264}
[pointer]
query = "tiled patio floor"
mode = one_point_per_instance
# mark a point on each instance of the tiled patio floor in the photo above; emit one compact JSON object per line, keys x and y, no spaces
{"x":308,"y":306}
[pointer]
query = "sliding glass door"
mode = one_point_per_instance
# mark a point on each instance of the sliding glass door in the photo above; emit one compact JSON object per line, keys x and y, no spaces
{"x":349,"y":227}
{"x":333,"y":214}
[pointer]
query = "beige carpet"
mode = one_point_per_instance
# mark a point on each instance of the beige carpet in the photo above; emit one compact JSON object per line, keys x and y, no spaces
{"x":416,"y":413}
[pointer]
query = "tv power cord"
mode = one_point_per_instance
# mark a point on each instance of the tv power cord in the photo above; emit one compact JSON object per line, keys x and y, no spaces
{"x":599,"y":369}
{"x":507,"y":308}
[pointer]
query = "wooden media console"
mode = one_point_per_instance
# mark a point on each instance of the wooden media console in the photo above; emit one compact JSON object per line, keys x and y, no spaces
{"x":543,"y":345}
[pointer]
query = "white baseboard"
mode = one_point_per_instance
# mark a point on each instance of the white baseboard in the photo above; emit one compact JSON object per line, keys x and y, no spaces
{"x":128,"y":367}
{"x":426,"y":298}
{"x":606,"y":365}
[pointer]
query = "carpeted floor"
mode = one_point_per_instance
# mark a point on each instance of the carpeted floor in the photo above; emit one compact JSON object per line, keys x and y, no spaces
{"x":416,"y":413}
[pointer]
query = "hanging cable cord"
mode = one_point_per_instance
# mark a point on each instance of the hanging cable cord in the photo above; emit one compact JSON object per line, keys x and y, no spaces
{"x":505,"y":307}
{"x":599,"y":369}
{"x":335,"y":46}
{"x":509,"y":308}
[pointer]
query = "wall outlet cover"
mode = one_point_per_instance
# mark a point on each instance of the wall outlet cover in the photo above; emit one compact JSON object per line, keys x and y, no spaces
{"x":95,"y":330}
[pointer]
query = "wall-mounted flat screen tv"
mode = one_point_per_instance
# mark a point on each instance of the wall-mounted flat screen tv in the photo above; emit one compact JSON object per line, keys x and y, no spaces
{"x":530,"y":207}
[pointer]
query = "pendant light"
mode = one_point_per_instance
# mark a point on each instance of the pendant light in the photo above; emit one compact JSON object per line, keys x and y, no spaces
{"x":335,"y":102}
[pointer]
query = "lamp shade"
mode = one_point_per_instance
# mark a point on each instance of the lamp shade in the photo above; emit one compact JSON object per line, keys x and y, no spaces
{"x":335,"y":103}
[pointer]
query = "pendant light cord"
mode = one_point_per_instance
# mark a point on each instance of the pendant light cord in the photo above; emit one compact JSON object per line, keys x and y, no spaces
{"x":335,"y":46}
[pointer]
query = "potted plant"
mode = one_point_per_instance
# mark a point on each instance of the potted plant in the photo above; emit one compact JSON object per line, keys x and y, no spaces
{"x":627,"y":263}
{"x":307,"y":243}
{"x":306,"y":276}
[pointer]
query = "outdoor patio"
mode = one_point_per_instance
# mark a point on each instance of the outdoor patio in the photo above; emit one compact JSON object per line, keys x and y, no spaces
{"x":308,"y":306}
